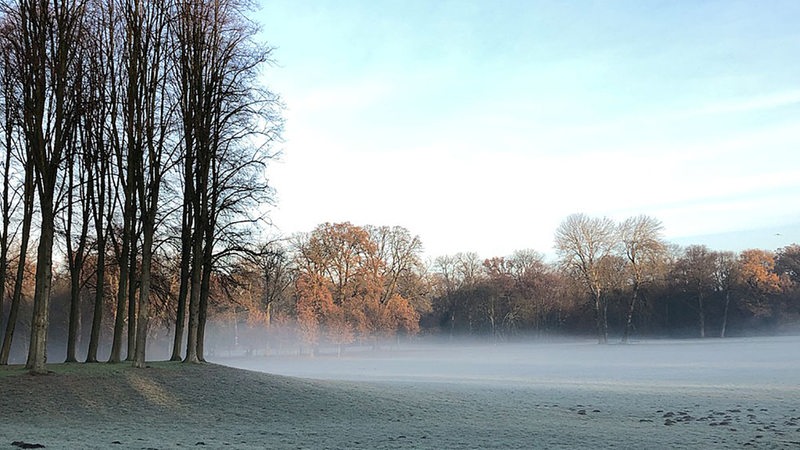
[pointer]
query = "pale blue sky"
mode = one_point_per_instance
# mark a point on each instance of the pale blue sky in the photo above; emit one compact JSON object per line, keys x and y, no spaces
{"x":480,"y":125}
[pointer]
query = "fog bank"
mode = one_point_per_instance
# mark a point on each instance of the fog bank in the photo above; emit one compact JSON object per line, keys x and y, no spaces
{"x":763,"y":362}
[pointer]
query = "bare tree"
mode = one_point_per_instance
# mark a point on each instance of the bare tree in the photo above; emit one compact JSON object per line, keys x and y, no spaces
{"x":273,"y":262}
{"x":148,"y":112}
{"x":48,"y":37}
{"x":400,"y":252}
{"x":695,"y":273}
{"x":582,"y":243}
{"x":78,"y":191}
{"x":11,"y":129}
{"x":644,"y":250}
{"x":28,"y":194}
{"x":228,"y":123}
{"x":8,"y":114}
{"x":103,"y":140}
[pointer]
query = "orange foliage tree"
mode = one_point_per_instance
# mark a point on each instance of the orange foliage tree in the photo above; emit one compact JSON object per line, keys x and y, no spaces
{"x":757,"y":274}
{"x":345,"y":288}
{"x":315,"y":307}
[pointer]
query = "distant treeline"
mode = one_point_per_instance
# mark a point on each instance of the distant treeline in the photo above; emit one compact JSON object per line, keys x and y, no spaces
{"x":343,"y":285}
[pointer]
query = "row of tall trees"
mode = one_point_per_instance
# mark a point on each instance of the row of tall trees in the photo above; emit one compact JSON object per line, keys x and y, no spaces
{"x":343,"y":284}
{"x":106,"y":106}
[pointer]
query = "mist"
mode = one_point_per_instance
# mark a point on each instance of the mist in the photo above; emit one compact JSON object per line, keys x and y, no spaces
{"x":755,"y":361}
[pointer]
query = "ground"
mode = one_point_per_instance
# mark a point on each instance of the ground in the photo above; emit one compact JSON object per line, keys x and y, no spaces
{"x":173,"y":405}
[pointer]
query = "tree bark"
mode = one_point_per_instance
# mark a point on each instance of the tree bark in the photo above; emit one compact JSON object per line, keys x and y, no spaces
{"x":37,"y":353}
{"x":144,"y":294}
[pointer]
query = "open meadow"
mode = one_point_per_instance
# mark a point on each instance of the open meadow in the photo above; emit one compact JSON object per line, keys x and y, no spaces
{"x":731,"y":393}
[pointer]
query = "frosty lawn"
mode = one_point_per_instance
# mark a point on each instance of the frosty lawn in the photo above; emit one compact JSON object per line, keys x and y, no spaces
{"x":657,"y":394}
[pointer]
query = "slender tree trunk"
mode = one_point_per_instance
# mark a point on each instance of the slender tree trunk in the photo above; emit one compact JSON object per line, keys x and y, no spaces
{"x":127,"y":276}
{"x":13,"y":313}
{"x":701,"y":315}
{"x":205,"y":288}
{"x":6,"y":205}
{"x":202,"y":313}
{"x":725,"y":314}
{"x":78,"y":257}
{"x":74,"y":317}
{"x":122,"y":291}
{"x":144,"y":294}
{"x":99,"y":295}
{"x":605,"y":321}
{"x":37,"y":353}
{"x":629,"y":317}
{"x":601,"y":318}
{"x":134,"y":279}
{"x":194,"y":300}
{"x":98,"y":208}
{"x":183,"y":290}
{"x":208,"y":268}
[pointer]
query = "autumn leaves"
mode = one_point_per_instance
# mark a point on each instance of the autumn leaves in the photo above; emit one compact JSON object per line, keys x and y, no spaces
{"x":352,"y":283}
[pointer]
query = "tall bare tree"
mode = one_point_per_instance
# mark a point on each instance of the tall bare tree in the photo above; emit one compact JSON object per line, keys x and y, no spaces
{"x":49,"y":35}
{"x":582,"y":242}
{"x":695,"y":273}
{"x":8,"y":130}
{"x":401,"y":253}
{"x":148,"y":111}
{"x":644,"y":250}
{"x":78,"y":195}
{"x":228,"y":121}
{"x":28,"y":194}
{"x":101,"y":117}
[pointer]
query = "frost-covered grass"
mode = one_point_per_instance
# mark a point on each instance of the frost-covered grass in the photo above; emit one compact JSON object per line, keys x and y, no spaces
{"x":651,"y":394}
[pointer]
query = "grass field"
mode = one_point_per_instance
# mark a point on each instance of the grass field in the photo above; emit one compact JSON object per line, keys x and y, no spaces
{"x":660,"y":394}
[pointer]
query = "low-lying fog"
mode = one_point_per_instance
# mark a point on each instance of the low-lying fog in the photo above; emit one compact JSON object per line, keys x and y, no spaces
{"x":769,"y":362}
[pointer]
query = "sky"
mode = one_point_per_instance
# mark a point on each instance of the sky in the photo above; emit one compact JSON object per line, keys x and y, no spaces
{"x":481,"y":125}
